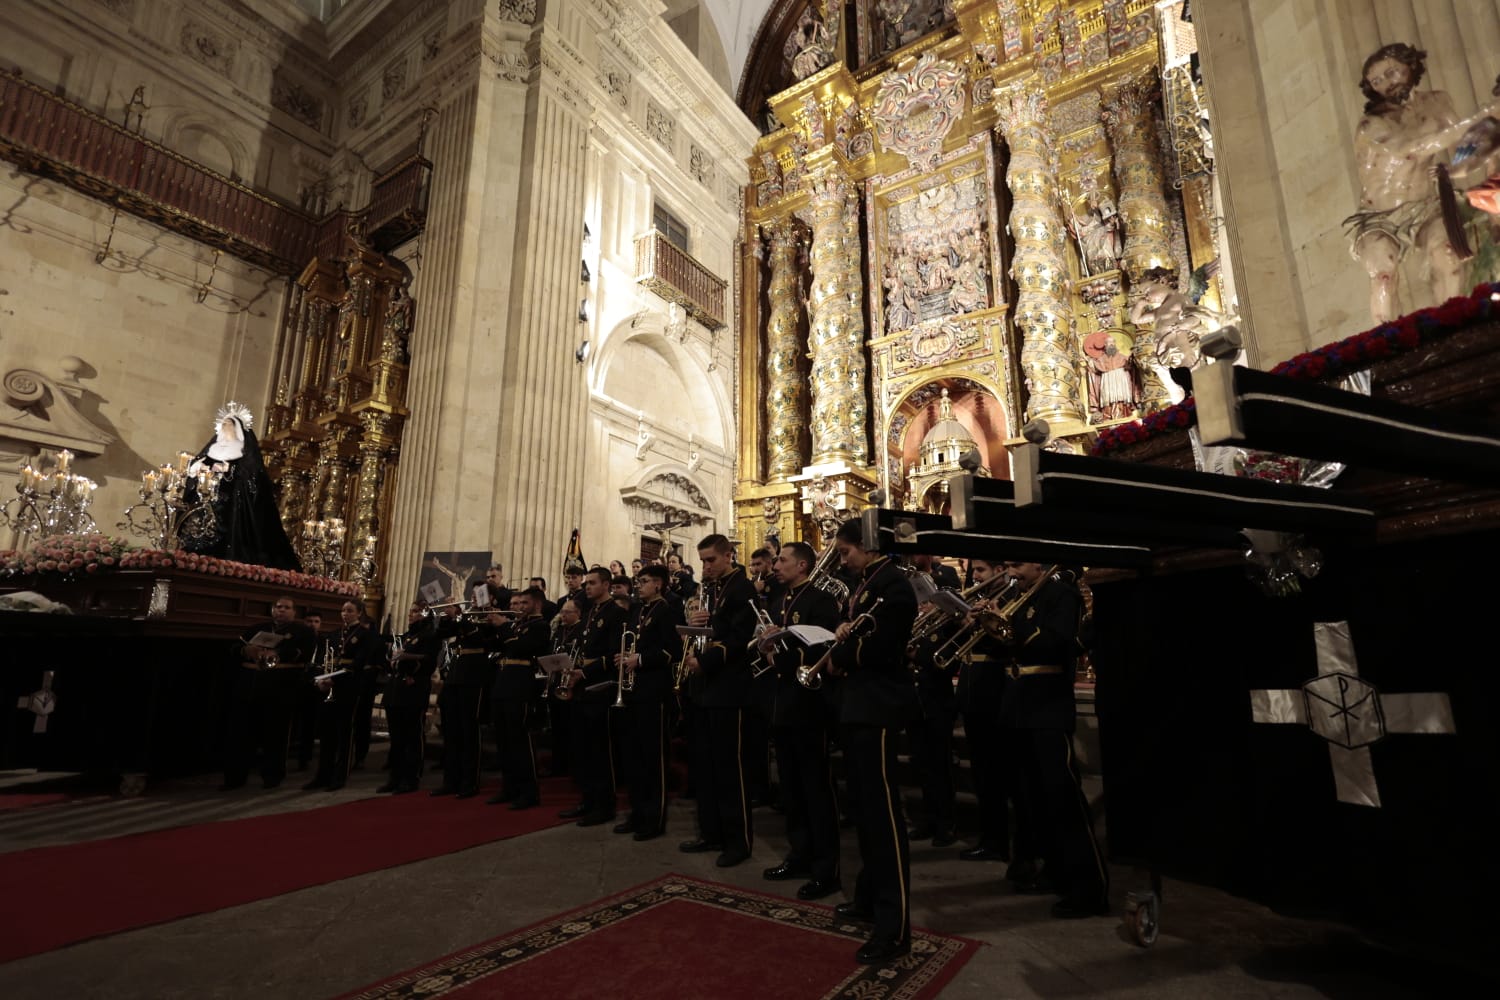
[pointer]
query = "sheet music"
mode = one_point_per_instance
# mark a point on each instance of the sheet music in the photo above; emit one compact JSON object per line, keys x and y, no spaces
{"x":265,"y":640}
{"x":555,"y":662}
{"x":811,"y":635}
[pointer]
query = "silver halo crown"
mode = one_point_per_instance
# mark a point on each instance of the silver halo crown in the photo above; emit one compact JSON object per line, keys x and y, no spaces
{"x":239,"y":411}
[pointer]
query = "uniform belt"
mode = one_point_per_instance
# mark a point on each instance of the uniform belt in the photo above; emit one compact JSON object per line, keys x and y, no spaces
{"x":512,"y":662}
{"x":472,"y":651}
{"x":1033,"y":671}
{"x":982,"y":658}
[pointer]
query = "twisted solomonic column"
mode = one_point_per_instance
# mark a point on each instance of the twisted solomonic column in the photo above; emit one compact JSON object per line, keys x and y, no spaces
{"x":836,"y":325}
{"x":783,"y":379}
{"x":1042,"y":312}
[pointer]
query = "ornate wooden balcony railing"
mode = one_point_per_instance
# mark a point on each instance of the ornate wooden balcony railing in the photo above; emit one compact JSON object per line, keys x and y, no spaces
{"x":52,"y":137}
{"x":670,"y":272}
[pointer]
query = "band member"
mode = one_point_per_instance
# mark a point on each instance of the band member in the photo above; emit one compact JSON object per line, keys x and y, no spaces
{"x":355,"y":651}
{"x":930,"y":737}
{"x":593,"y":766}
{"x":494,"y":582}
{"x":461,"y":700}
{"x":722,"y":695}
{"x":407,"y":690}
{"x":658,"y":647}
{"x":1039,"y":711}
{"x":567,"y":637}
{"x":266,"y":686}
{"x":521,"y":641}
{"x":800,"y":728}
{"x":683,"y":584}
{"x":549,"y":608}
{"x":981,"y":687}
{"x":573,"y":583}
{"x":877,"y":700}
{"x":306,"y":708}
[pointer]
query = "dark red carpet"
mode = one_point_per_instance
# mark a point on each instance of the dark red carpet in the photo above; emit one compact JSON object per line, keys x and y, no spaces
{"x":80,"y":891}
{"x":677,"y":939}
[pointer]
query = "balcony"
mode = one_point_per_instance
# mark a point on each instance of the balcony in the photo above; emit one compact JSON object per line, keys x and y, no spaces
{"x":671,"y":273}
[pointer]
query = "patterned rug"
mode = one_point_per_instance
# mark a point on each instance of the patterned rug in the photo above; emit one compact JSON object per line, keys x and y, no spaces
{"x":679,"y":938}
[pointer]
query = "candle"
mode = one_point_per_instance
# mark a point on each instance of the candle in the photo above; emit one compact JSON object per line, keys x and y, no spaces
{"x":183,"y":458}
{"x":64,"y":460}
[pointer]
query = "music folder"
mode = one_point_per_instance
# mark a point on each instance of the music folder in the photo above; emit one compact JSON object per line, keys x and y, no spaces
{"x":555,"y":663}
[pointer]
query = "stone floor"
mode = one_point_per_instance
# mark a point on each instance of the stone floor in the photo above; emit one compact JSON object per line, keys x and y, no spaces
{"x":325,"y":940}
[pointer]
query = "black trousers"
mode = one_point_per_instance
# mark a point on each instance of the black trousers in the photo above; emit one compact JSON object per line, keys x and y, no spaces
{"x":884,"y":882}
{"x":560,"y":736}
{"x":260,"y":718}
{"x":723,"y":810}
{"x":808,"y":799}
{"x":755,"y":754}
{"x":646,"y":764}
{"x":931,"y":740}
{"x":1053,"y":796}
{"x":305,"y":718}
{"x":593,"y":767}
{"x":991,"y":771}
{"x":404,"y":719}
{"x":459,"y":704}
{"x":364,"y":710}
{"x":336,"y":740}
{"x":512,"y":719}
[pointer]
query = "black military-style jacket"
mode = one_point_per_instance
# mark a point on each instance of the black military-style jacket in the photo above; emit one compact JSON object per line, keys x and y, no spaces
{"x":520,"y":643}
{"x":356,"y":649}
{"x":410,"y":679}
{"x":934,"y":683}
{"x":659,"y":647}
{"x":877,"y":688}
{"x":726,"y":661}
{"x":295,"y":650}
{"x":1047,"y":638}
{"x":982,"y":679}
{"x":473,"y":642}
{"x":601,"y":641}
{"x":786,"y":702}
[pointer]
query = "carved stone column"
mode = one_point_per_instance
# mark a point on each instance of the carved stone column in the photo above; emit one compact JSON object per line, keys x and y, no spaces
{"x":836,"y":327}
{"x":1127,"y":115}
{"x":783,"y":377}
{"x":1042,"y":312}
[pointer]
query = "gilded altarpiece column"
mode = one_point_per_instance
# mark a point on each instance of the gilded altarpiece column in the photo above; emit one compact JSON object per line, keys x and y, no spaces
{"x":836,"y":328}
{"x":1042,"y":312}
{"x":784,"y":394}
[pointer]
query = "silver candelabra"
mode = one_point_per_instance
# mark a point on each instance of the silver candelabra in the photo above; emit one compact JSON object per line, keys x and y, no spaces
{"x":53,"y":503}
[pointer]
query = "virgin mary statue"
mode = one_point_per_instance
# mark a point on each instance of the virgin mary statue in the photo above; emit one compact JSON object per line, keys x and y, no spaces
{"x":247,"y":524}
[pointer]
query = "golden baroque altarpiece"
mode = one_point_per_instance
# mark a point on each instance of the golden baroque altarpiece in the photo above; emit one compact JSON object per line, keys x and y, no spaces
{"x":952,"y":209}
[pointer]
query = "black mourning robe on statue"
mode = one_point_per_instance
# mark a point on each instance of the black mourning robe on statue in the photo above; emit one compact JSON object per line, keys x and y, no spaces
{"x":248,"y":525}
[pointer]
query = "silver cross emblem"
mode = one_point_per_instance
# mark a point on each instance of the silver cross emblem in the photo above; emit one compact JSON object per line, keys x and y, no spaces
{"x":1350,"y":713}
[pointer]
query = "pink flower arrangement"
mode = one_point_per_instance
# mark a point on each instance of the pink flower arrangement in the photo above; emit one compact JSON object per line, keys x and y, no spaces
{"x":71,"y":555}
{"x":1331,"y":361}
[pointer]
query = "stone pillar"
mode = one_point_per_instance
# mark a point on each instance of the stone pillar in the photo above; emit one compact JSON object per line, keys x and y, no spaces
{"x":836,"y":327}
{"x":783,"y":376}
{"x":1128,"y":117}
{"x":1043,"y":314}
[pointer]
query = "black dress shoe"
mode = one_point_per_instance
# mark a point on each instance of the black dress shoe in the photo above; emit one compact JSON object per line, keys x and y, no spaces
{"x":982,"y":853}
{"x":389,"y":786}
{"x":271,"y":783}
{"x":314,"y":785}
{"x":819,"y":888}
{"x":731,"y":858}
{"x":945,"y":838}
{"x":625,"y":827}
{"x":442,"y":790}
{"x":1019,"y":872}
{"x":573,"y":813}
{"x":520,"y":804}
{"x":854,"y":911}
{"x":230,"y":786}
{"x":785,"y":872}
{"x":404,"y":789}
{"x":595,"y":819}
{"x":502,"y":796}
{"x":922,"y":831}
{"x":1076,"y":909}
{"x":699,"y":846}
{"x":881,"y":949}
{"x":334,"y":786}
{"x":1041,"y":885}
{"x":468,"y":794}
{"x":641,"y":835}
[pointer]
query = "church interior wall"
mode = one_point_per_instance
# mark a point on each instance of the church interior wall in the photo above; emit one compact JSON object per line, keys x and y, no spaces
{"x":1283,"y":79}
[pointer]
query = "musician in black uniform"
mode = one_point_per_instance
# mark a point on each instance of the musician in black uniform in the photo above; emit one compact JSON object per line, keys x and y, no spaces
{"x":567,"y":637}
{"x":800,"y":720}
{"x":516,"y":686}
{"x":309,"y":698}
{"x":877,"y":700}
{"x":719,"y":706}
{"x":355,"y":651}
{"x":407,"y":690}
{"x":757,"y":744}
{"x":593,"y":766}
{"x":1039,"y":712}
{"x":930,"y":736}
{"x":470,"y":671}
{"x":981,"y":688}
{"x":658,"y":647}
{"x":265,"y":688}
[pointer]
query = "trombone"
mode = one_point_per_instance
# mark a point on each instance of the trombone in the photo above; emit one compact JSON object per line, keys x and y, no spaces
{"x":992,"y":619}
{"x":811,"y":677}
{"x":626,"y":679}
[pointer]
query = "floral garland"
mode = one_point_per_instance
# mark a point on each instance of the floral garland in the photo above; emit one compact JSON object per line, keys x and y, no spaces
{"x":74,"y":555}
{"x":1331,"y":361}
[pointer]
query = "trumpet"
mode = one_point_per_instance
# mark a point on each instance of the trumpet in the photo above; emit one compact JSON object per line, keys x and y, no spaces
{"x":992,"y":619}
{"x":811,"y":677}
{"x":763,"y":624}
{"x":693,"y":645}
{"x":427,"y":611}
{"x":626,"y":681}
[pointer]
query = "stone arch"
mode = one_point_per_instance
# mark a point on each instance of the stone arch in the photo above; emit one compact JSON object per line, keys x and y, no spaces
{"x":713,"y":411}
{"x":204,"y":140}
{"x":907,"y":422}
